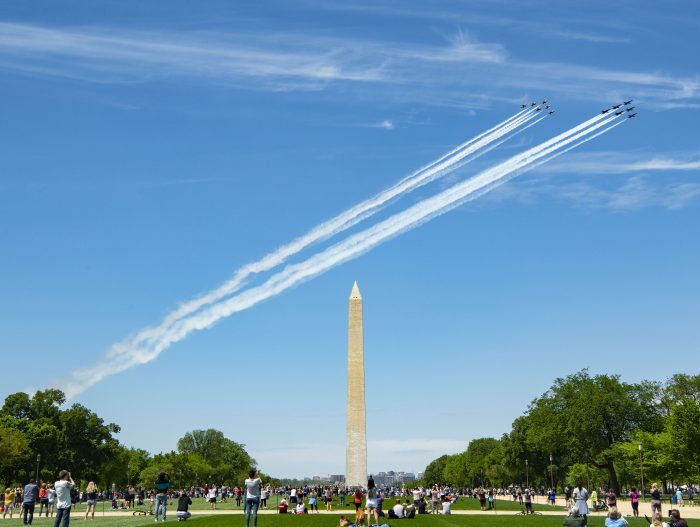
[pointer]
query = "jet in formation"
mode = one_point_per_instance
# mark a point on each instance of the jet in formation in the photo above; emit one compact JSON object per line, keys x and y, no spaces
{"x":618,"y":106}
{"x":631,"y":115}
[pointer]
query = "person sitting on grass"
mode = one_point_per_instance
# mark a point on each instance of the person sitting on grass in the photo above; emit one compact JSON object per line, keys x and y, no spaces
{"x":675,"y":519}
{"x":656,"y":520}
{"x":396,"y":512}
{"x":301,"y":508}
{"x":615,"y":519}
{"x":282,"y":509}
{"x":575,"y":519}
{"x":183,"y":504}
{"x":344,"y":522}
{"x":446,"y":505}
{"x":409,"y":510}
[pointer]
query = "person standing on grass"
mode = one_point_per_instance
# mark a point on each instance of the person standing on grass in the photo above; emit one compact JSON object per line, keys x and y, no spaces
{"x":434,"y":499}
{"x":31,"y":496}
{"x":51,"y":495}
{"x":313,"y":499}
{"x":655,"y":499}
{"x":580,"y":496}
{"x":329,"y":499}
{"x":357,"y":499}
{"x":91,"y":493}
{"x":634,"y":500}
{"x":211,"y":497}
{"x":43,"y":499}
{"x":9,"y":502}
{"x":252,"y":497}
{"x":341,"y":497}
{"x":162,"y":484}
{"x":63,"y":487}
{"x":371,"y":502}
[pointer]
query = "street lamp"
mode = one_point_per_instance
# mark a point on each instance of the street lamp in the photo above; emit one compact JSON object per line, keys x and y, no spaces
{"x":527,"y":475}
{"x":128,"y":474}
{"x":641,"y":469}
{"x":38,"y":460}
{"x":551,"y":471}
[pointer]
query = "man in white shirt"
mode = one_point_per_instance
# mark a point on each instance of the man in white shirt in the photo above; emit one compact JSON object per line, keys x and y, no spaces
{"x":398,"y":510}
{"x":416,"y":496}
{"x":63,"y":500}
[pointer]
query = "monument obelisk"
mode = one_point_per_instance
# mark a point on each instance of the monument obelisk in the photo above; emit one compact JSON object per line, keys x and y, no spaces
{"x":356,"y":437}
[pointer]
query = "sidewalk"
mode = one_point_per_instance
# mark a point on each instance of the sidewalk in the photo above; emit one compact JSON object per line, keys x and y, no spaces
{"x":625,"y":507}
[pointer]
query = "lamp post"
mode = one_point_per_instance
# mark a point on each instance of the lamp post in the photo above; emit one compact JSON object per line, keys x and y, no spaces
{"x":551,"y":471}
{"x":38,"y":460}
{"x":641,"y":469}
{"x":527,"y":475}
{"x":128,"y":474}
{"x":482,"y":477}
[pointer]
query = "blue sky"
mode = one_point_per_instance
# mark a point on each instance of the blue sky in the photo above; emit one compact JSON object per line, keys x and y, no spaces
{"x":150,"y":149}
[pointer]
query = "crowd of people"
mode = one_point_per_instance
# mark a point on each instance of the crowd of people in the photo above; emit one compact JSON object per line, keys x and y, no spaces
{"x":372,"y":503}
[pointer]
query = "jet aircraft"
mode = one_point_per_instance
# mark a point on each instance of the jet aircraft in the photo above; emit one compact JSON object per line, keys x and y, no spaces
{"x":606,"y":110}
{"x":627,"y":102}
{"x":616,"y":106}
{"x":631,"y":115}
{"x":551,"y":112}
{"x":619,"y":113}
{"x":630,"y":108}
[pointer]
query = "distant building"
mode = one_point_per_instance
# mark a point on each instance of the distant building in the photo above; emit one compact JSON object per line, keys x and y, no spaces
{"x":336,"y":478}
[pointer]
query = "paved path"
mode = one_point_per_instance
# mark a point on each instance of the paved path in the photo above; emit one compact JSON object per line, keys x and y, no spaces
{"x":625,"y":507}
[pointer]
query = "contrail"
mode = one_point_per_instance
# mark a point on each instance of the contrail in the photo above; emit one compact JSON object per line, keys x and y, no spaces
{"x":459,"y":156}
{"x":352,"y":247}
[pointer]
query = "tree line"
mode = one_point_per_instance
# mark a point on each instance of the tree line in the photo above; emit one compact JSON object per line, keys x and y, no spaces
{"x":595,"y":429}
{"x":38,"y":433}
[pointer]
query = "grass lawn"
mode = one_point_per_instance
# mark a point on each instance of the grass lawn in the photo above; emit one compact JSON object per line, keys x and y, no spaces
{"x":291,"y":520}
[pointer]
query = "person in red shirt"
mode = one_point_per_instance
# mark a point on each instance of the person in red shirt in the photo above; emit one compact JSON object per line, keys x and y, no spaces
{"x":43,"y":499}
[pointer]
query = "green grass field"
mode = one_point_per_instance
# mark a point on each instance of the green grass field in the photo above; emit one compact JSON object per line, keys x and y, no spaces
{"x":501,"y":520}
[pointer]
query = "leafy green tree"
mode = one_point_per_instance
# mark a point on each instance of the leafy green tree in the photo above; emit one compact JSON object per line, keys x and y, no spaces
{"x":14,"y":447}
{"x":435,"y":471}
{"x":587,"y":416}
{"x":228,"y":460}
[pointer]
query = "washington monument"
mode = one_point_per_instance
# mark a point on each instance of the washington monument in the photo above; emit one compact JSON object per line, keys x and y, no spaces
{"x":356,"y":437}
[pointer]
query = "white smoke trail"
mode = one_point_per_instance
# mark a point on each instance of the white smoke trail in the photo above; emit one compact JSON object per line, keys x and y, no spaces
{"x":444,"y":165}
{"x":351,"y":247}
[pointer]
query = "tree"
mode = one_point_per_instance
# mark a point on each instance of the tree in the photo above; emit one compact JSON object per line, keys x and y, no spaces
{"x":13,"y":451}
{"x":434,"y":473}
{"x":587,"y":416}
{"x":228,"y":459}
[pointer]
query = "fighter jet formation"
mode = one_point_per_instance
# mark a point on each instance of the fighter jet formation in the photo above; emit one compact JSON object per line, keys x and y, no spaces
{"x":538,"y":107}
{"x":620,"y":110}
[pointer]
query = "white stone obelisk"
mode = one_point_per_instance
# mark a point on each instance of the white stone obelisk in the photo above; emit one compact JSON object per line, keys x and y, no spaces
{"x":356,"y":437}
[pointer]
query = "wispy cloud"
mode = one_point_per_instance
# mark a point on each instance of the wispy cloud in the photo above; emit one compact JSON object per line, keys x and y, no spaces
{"x":591,"y":37}
{"x":386,"y":124}
{"x":654,"y":181}
{"x":458,"y":70}
{"x":621,"y":163}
